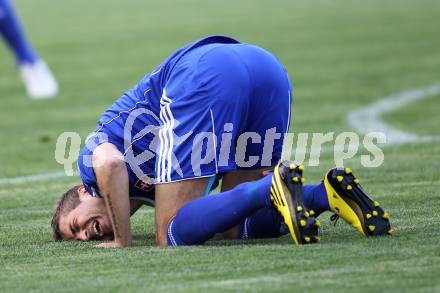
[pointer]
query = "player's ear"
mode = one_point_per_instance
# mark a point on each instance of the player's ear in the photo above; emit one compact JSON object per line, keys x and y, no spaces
{"x":82,"y":192}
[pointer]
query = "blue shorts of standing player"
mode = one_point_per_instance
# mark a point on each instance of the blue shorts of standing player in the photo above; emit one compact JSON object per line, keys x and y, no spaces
{"x":214,"y":109}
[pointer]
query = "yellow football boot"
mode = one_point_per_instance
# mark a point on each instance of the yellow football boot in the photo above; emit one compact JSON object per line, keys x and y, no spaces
{"x":349,"y":201}
{"x":287,"y":196}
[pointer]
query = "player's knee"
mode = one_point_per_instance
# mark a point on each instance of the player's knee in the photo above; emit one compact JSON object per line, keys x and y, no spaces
{"x":172,"y":236}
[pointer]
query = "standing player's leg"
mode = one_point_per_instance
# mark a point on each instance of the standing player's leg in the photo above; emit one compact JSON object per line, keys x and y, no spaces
{"x":14,"y":36}
{"x":36,"y":76}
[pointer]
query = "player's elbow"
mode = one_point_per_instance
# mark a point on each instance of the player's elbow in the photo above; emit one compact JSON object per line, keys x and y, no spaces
{"x":114,"y":163}
{"x":107,"y":157}
{"x":108,"y":163}
{"x":113,"y":168}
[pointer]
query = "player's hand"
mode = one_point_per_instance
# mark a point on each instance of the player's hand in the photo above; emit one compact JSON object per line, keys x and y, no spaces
{"x":111,"y":244}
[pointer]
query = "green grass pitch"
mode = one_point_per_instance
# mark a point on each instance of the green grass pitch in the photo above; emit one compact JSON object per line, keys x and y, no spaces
{"x":341,"y":55}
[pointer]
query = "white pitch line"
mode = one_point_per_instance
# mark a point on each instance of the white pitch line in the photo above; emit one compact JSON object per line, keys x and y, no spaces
{"x":368,"y":119}
{"x":32,"y":178}
{"x":364,"y":120}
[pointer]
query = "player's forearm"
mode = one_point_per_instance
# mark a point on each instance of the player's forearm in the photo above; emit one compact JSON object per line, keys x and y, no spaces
{"x":116,"y":198}
{"x":113,"y":184}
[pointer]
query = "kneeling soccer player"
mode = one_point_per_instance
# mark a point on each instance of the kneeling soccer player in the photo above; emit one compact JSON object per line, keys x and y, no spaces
{"x":169,"y":138}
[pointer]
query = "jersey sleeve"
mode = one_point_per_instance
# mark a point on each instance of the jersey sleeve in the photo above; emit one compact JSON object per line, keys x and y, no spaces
{"x":85,"y":165}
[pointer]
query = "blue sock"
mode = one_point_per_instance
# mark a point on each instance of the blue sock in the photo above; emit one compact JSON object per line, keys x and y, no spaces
{"x":264,"y":223}
{"x":12,"y":32}
{"x":201,"y":219}
{"x":267,"y":223}
{"x":315,"y":198}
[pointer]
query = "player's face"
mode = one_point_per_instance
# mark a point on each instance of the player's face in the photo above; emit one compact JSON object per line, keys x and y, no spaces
{"x":88,"y":221}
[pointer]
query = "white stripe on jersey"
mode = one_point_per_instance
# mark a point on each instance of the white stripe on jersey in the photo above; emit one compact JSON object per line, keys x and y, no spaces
{"x":214,"y":141}
{"x":162,"y":138}
{"x":171,"y":142}
{"x":166,"y":140}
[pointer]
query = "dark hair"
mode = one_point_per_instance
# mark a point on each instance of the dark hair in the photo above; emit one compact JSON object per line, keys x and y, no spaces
{"x":68,"y":202}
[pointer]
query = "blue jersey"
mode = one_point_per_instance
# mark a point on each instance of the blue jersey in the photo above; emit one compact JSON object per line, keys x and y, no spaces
{"x":184,"y":119}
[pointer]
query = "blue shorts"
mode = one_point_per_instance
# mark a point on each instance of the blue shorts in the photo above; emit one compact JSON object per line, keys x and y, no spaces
{"x":224,"y":107}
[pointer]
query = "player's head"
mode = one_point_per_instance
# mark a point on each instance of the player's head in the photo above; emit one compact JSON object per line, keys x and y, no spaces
{"x":79,"y":216}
